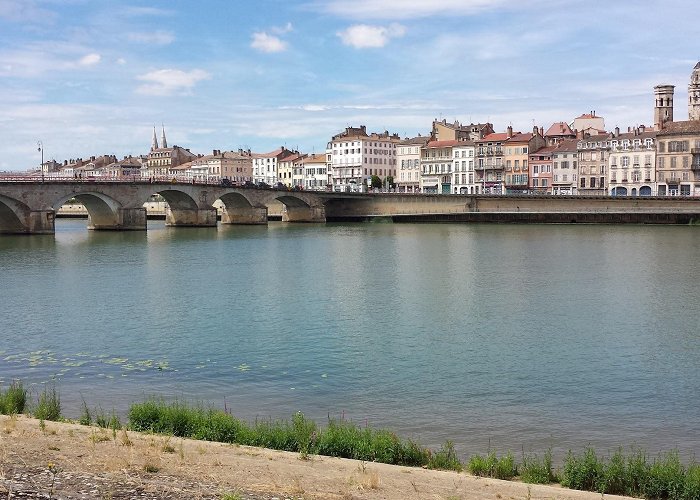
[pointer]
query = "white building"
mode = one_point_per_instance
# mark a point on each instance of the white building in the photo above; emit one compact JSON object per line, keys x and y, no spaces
{"x":356,"y":156}
{"x":265,"y":165}
{"x":463,"y":168}
{"x":407,"y":178}
{"x":436,"y":167}
{"x":632,"y":163}
{"x":315,"y":172}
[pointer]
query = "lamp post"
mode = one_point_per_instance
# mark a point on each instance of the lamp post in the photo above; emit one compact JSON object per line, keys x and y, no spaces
{"x":40,"y":148}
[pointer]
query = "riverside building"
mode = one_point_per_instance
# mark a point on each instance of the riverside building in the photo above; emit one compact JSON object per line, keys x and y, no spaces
{"x":408,"y":158}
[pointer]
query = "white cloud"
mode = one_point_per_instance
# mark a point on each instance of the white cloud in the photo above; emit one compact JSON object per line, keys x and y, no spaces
{"x":89,"y":60}
{"x":171,"y":81}
{"x":154,"y":38}
{"x":363,"y":36}
{"x":121,"y":61}
{"x":25,"y":11}
{"x":267,"y":43}
{"x":406,"y":9}
{"x":281,"y":30}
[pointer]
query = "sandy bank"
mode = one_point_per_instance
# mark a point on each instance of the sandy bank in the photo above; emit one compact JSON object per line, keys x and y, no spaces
{"x":88,"y":462}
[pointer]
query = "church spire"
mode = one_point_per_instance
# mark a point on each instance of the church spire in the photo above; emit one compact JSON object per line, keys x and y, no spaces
{"x":154,"y":141}
{"x":163,"y":142}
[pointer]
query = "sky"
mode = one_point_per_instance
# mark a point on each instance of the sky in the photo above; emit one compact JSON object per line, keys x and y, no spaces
{"x":93,"y":77}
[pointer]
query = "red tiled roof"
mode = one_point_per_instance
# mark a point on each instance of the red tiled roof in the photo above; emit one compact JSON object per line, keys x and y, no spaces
{"x":518,"y":137}
{"x":495,"y":137}
{"x":559,"y":128}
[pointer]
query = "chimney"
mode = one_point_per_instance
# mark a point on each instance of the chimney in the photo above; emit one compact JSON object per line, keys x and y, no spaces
{"x":509,"y":131}
{"x":642,"y":128}
{"x":542,"y":131}
{"x":617,"y":131}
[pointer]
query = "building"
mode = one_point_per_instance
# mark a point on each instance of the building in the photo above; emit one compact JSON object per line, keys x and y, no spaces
{"x":463,"y":154}
{"x":588,"y":124}
{"x":128,"y":167}
{"x":593,"y":154}
{"x":678,"y":159}
{"x":315,"y":172}
{"x":490,"y":163}
{"x":265,"y":165}
{"x":436,"y":167}
{"x":443,"y":131}
{"x":558,"y":132}
{"x":290,"y":171}
{"x":540,"y":170}
{"x":517,"y":149}
{"x":565,"y":167}
{"x":161,"y":158}
{"x":356,"y":156}
{"x":678,"y":143}
{"x":631,"y":164}
{"x":408,"y":170}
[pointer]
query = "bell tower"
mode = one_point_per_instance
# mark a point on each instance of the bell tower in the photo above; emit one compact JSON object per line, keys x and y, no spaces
{"x":663,"y":105}
{"x":694,"y":94}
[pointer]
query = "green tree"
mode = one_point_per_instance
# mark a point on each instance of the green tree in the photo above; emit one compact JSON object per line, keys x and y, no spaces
{"x":376,"y":182}
{"x":389,"y":181}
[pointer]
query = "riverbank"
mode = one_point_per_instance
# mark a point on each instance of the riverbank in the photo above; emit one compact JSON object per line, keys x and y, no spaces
{"x":66,"y":460}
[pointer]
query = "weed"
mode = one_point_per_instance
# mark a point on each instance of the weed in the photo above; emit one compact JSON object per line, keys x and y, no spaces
{"x":445,"y":458}
{"x":14,"y":399}
{"x":98,"y":437}
{"x":85,"y":416}
{"x":150,"y":467}
{"x":125,"y":438}
{"x":536,"y":471}
{"x":48,"y":405}
{"x":231,"y":495}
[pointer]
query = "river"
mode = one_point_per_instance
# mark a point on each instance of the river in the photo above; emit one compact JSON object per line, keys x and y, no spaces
{"x":513,"y":337}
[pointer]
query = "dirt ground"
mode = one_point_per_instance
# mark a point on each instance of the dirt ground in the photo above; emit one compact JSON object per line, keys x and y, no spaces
{"x":63,"y":460}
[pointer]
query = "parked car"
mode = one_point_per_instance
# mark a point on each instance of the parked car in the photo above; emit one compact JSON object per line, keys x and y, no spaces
{"x":226,"y":182}
{"x":281,"y":185}
{"x":248,"y":184}
{"x":264,"y":185}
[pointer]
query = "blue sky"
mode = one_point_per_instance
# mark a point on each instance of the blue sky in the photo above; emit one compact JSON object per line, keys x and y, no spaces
{"x":89,"y":77}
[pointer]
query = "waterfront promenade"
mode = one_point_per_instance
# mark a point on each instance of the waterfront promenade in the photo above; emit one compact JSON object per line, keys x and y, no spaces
{"x":30,"y":207}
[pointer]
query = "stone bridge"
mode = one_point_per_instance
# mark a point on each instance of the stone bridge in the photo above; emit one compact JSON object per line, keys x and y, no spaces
{"x":29,"y":207}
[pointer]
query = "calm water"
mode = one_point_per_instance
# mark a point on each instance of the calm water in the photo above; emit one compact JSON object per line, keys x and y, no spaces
{"x":517,"y":337}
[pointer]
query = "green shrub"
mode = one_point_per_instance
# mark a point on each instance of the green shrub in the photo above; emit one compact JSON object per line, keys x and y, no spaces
{"x":48,"y":405}
{"x":666,"y":477}
{"x":445,"y":458}
{"x":691,"y":488}
{"x":536,"y":471}
{"x":14,"y":399}
{"x":492,"y":466}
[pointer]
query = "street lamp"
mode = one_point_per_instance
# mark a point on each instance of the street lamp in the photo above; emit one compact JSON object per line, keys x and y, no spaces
{"x":40,"y":148}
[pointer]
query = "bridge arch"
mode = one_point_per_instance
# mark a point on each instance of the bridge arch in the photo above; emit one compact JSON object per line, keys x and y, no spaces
{"x":103,"y":211}
{"x":14,"y":215}
{"x":238,"y":209}
{"x":296,"y":209}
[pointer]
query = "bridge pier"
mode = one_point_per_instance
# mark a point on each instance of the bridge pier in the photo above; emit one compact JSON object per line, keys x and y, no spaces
{"x":304,"y":214}
{"x":126,"y":219}
{"x":197,"y":217}
{"x":41,"y":222}
{"x":243,"y":215}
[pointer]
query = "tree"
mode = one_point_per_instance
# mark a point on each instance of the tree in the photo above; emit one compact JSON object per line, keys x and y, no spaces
{"x":389,"y":181}
{"x":376,"y":182}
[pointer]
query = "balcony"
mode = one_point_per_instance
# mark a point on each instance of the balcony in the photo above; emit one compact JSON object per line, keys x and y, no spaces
{"x":695,"y":151}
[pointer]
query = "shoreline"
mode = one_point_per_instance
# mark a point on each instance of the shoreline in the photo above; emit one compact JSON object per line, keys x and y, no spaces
{"x":125,"y":464}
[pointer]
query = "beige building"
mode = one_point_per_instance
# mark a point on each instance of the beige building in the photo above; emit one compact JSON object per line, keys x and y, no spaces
{"x":290,"y":170}
{"x":408,"y":171}
{"x":436,"y":167}
{"x":631,"y":163}
{"x":517,"y":150}
{"x":565,"y":168}
{"x":558,"y":132}
{"x":443,"y":131}
{"x":593,"y":154}
{"x":588,"y":124}
{"x":489,"y":164}
{"x":161,"y":158}
{"x":678,"y":143}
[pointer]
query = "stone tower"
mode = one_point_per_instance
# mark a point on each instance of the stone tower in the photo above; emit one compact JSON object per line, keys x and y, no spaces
{"x":663,"y":105}
{"x":154,"y":141}
{"x":163,"y":142}
{"x":694,"y":94}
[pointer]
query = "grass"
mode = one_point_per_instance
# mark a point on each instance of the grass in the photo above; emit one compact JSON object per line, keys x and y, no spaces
{"x":14,"y":399}
{"x":492,"y":466}
{"x":48,"y":405}
{"x":534,"y":470}
{"x":664,"y":477}
{"x":337,"y":439}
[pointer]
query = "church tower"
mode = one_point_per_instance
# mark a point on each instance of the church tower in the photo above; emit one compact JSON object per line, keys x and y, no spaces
{"x":154,"y":141}
{"x":163,"y":142}
{"x":663,"y":105}
{"x":694,"y":94}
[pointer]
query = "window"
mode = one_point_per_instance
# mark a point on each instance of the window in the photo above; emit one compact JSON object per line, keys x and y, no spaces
{"x":592,"y":182}
{"x":583,"y":182}
{"x":535,"y":169}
